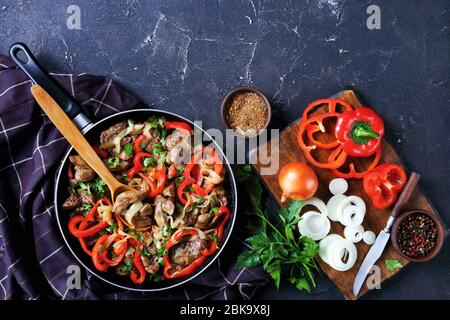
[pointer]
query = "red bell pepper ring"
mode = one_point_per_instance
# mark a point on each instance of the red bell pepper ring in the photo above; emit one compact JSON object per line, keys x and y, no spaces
{"x":360,"y":132}
{"x":138,"y":164}
{"x":178,"y":125}
{"x":339,"y":156}
{"x":137,"y":262}
{"x":352,"y":173}
{"x":331,"y":104}
{"x":99,"y":264}
{"x":384,"y":183}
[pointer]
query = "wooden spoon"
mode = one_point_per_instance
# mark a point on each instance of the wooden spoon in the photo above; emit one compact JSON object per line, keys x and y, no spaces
{"x":79,"y":142}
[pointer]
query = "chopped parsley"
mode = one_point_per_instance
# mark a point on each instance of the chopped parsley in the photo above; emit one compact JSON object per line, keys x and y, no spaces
{"x":215,"y":210}
{"x":138,"y":235}
{"x":112,"y":228}
{"x":98,"y":186}
{"x":113,"y":162}
{"x":128,"y":148}
{"x":143,"y":252}
{"x":148,"y":162}
{"x":127,"y":267}
{"x":87,"y":207}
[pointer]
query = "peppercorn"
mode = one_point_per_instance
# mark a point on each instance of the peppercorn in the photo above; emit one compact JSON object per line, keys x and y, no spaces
{"x":417,"y":235}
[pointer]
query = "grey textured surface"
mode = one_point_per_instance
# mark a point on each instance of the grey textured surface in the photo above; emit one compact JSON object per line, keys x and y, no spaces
{"x":184,"y":56}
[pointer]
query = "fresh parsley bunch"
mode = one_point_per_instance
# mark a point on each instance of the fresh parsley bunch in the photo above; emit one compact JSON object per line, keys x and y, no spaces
{"x":277,"y":247}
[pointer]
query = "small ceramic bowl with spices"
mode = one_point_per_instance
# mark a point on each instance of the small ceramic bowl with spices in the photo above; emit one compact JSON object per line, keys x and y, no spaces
{"x":247,"y":111}
{"x":418,"y":235}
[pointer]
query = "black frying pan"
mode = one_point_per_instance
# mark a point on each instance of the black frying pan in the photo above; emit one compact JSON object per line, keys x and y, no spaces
{"x":20,"y":53}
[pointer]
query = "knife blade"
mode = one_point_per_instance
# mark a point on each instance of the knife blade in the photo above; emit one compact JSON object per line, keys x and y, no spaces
{"x":382,"y":239}
{"x":372,"y":256}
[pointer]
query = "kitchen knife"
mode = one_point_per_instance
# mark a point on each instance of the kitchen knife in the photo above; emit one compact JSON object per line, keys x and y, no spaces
{"x":383,"y":237}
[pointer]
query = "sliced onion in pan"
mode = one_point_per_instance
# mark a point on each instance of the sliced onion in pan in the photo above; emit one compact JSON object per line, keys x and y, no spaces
{"x":132,"y":210}
{"x":314,"y":225}
{"x":325,"y":244}
{"x":338,"y":186}
{"x":354,"y":234}
{"x":319,"y":204}
{"x":332,"y":206}
{"x":369,"y":237}
{"x":342,"y":254}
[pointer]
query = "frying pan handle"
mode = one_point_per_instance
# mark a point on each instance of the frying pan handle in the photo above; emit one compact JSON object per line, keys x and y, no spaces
{"x":39,"y":76}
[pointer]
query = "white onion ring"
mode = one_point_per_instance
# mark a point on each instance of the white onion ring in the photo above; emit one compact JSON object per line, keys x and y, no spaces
{"x":319,"y":204}
{"x":324,"y":246}
{"x":369,"y":237}
{"x":332,"y":206}
{"x":314,"y":225}
{"x":211,"y":176}
{"x":352,"y":216}
{"x":338,"y":250}
{"x":354,"y":234}
{"x":338,"y":186}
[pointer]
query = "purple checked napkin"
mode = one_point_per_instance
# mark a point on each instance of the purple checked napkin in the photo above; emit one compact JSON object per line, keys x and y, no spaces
{"x":33,"y":256}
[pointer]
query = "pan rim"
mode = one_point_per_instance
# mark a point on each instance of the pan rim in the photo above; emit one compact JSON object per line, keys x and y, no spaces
{"x":230,"y":223}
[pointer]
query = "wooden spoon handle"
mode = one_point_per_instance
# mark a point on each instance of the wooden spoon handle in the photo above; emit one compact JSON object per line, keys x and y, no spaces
{"x":406,"y":194}
{"x":73,"y":135}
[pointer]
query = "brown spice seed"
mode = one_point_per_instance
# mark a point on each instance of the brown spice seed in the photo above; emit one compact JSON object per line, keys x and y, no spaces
{"x":247,"y":112}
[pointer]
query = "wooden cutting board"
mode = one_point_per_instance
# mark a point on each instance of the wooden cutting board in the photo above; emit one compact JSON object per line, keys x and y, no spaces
{"x":375,"y":219}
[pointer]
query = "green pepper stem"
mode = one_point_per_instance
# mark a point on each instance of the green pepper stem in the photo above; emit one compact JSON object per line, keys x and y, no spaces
{"x":363,"y":133}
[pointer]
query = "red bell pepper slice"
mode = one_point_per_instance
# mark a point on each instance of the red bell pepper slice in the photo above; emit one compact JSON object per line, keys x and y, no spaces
{"x":178,"y":125}
{"x":360,"y":132}
{"x":331,"y":104}
{"x":99,"y":264}
{"x":384,"y":183}
{"x":160,"y":177}
{"x":70,"y":174}
{"x":180,"y":233}
{"x":119,"y":251}
{"x":83,"y":233}
{"x":102,"y":153}
{"x":138,"y":164}
{"x":138,"y":144}
{"x":137,"y":262}
{"x":339,"y":156}
{"x":352,"y":173}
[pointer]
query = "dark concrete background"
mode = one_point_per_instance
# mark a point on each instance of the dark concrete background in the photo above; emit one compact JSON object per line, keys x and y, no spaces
{"x":184,"y":56}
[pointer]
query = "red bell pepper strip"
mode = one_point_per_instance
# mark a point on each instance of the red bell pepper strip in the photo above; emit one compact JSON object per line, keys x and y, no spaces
{"x":384,"y":183}
{"x":178,"y":125}
{"x":102,"y":153}
{"x":138,"y":144}
{"x":138,"y":164}
{"x":137,"y":262}
{"x":99,"y":264}
{"x":226,"y":213}
{"x":360,"y":132}
{"x":172,"y":172}
{"x":331,"y":104}
{"x":70,"y":174}
{"x":158,"y":175}
{"x":339,"y":156}
{"x":82,"y":233}
{"x":352,"y":173}
{"x":119,"y":251}
{"x":180,"y":233}
{"x":312,"y":129}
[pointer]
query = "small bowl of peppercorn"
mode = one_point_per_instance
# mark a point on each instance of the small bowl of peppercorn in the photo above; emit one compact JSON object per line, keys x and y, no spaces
{"x":247,"y":111}
{"x":418,"y":235}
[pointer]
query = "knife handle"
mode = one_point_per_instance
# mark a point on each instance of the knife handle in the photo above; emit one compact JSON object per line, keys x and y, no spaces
{"x":406,"y":194}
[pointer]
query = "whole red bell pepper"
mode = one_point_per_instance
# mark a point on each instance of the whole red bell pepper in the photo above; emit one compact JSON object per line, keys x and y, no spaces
{"x":177,"y":125}
{"x":360,"y":131}
{"x":384,"y":183}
